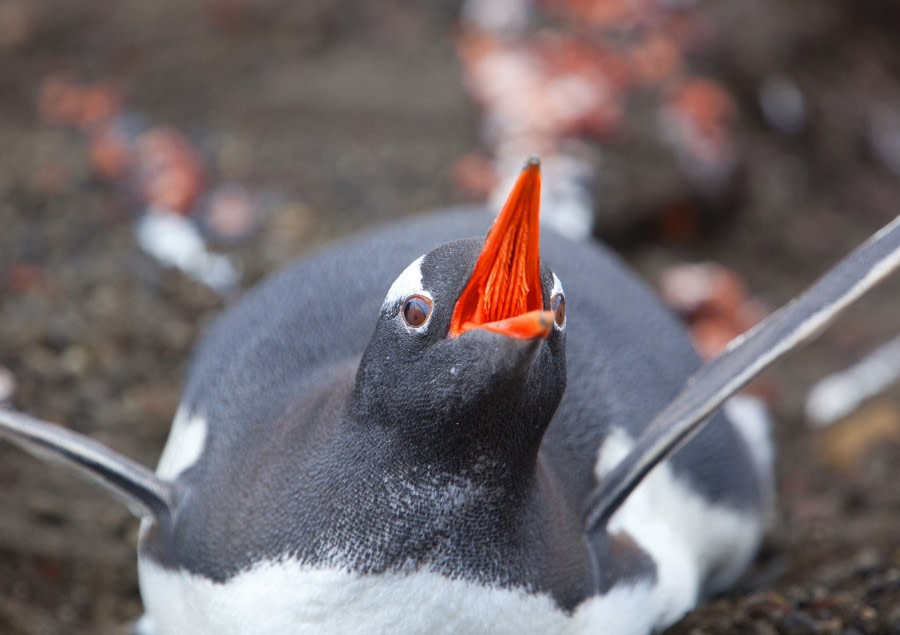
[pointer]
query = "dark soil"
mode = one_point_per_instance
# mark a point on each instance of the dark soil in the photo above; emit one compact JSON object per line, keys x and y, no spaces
{"x":348,"y":116}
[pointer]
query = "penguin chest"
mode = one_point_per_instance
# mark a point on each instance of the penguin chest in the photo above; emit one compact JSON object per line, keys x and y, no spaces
{"x":289,"y":597}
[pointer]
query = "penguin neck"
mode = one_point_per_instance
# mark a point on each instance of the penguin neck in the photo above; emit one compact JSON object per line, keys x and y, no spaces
{"x":402,"y":449}
{"x":505,"y":430}
{"x":478,"y":443}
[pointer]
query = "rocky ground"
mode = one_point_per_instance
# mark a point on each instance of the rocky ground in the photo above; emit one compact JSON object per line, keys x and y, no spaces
{"x":341,"y":117}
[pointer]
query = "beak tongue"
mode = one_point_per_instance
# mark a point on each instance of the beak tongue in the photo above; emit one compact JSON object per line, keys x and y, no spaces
{"x":504,"y":293}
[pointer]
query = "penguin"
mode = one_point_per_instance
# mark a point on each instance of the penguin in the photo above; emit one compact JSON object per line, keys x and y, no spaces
{"x":512,"y":436}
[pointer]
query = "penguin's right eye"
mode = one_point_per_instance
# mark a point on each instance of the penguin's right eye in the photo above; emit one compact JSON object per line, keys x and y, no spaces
{"x":416,"y":310}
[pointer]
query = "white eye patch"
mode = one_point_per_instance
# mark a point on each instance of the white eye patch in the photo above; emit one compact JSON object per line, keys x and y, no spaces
{"x":408,"y":288}
{"x":557,"y":286}
{"x":407,"y":283}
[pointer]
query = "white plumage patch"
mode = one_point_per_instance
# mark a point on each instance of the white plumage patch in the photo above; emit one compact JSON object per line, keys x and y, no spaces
{"x":184,"y":446}
{"x":692,"y":540}
{"x":287,"y":597}
{"x":751,"y":419}
{"x":407,"y":283}
{"x":557,"y":286}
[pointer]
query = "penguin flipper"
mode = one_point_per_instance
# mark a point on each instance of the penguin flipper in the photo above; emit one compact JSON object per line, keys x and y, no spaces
{"x":746,"y":356}
{"x":145,"y":493}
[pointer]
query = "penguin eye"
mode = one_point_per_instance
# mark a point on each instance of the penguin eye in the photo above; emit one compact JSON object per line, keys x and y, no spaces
{"x":416,"y":310}
{"x":558,"y":306}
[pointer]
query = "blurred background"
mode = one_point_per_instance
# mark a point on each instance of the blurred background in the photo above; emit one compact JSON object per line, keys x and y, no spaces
{"x":158,"y":158}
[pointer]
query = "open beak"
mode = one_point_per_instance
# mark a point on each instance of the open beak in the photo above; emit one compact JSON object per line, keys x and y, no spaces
{"x":504,"y":293}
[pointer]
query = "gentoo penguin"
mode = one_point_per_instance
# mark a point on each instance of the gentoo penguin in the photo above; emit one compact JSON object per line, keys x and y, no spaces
{"x":517,"y":447}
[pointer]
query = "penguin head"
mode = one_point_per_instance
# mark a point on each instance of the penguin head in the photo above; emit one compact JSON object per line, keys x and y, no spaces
{"x":468,"y":354}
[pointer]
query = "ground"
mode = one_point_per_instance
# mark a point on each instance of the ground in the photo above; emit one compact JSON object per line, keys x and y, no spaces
{"x":343,"y":117}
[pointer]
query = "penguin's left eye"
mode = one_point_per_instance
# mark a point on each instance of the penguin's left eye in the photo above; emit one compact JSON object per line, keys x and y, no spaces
{"x":558,"y":306}
{"x":416,"y":310}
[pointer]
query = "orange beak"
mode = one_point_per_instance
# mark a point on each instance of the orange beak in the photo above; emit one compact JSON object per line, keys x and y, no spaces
{"x":504,"y":293}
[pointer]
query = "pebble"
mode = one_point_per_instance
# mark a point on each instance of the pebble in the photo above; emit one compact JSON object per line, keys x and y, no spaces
{"x":782,"y":104}
{"x":175,"y":241}
{"x":798,"y":623}
{"x":231,"y":213}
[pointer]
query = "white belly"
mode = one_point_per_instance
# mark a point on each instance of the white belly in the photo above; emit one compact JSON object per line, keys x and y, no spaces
{"x":287,"y":597}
